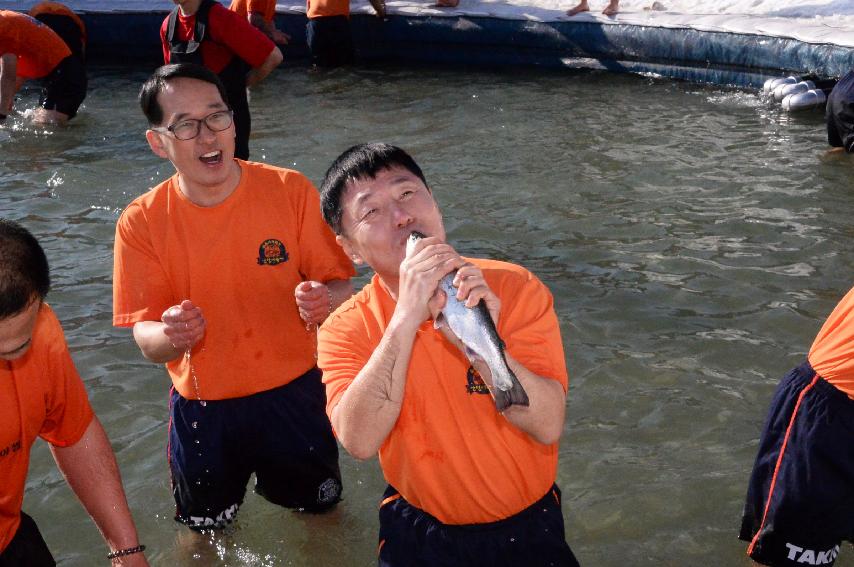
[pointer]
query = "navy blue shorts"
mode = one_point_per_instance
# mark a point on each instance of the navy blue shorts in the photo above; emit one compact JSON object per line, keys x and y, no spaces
{"x":839,"y":113}
{"x":27,"y":548}
{"x":410,"y":537}
{"x":330,"y":41}
{"x":800,"y":500}
{"x":281,"y":435}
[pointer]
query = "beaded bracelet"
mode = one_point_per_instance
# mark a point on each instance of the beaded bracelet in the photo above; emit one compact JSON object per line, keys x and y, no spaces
{"x":126,"y":551}
{"x":329,"y":292}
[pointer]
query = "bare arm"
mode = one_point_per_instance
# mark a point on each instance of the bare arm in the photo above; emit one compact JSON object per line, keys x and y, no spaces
{"x":257,"y":74}
{"x":543,"y":418}
{"x":180,"y":328}
{"x":8,"y":84}
{"x":269,"y":28}
{"x":371,"y":404}
{"x":379,"y":8}
{"x":90,"y":468}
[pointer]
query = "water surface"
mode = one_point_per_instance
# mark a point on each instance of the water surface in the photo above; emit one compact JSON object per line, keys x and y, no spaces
{"x":694,"y":239}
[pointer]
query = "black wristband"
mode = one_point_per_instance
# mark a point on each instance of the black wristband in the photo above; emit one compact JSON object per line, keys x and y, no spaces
{"x":126,"y":551}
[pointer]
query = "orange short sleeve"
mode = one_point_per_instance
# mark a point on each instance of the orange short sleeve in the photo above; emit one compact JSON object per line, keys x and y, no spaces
{"x":832,"y":352}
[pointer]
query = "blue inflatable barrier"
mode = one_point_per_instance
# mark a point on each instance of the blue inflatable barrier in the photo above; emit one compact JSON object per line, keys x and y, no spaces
{"x":739,"y":59}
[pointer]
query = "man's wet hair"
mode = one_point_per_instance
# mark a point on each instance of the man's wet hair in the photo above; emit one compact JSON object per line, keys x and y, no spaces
{"x":24,"y":273}
{"x":155,"y":84}
{"x":362,"y":161}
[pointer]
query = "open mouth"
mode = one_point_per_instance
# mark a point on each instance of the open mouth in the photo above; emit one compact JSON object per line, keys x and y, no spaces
{"x":211,"y":158}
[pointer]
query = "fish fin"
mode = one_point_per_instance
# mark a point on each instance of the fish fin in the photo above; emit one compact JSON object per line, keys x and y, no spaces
{"x":471,"y":355}
{"x":515,"y":396}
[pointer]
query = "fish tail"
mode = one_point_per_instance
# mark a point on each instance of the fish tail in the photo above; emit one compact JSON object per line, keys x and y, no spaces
{"x":515,"y":396}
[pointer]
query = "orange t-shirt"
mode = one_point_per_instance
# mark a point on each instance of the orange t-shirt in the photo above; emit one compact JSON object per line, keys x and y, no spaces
{"x":240,"y":261}
{"x":58,"y":9}
{"x":326,"y":8}
{"x":832,"y":352}
{"x":267,"y":8}
{"x":41,"y":396}
{"x":38,"y":48}
{"x":451,"y":453}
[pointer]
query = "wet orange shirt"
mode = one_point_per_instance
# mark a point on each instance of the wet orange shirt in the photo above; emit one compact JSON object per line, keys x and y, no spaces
{"x":451,"y":453}
{"x":58,"y":9}
{"x":41,"y":395}
{"x":832,"y":352}
{"x":267,"y":8}
{"x":325,"y":8}
{"x":38,"y":48}
{"x":240,"y":261}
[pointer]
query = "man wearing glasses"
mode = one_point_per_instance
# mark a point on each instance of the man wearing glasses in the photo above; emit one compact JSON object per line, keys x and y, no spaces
{"x":222,"y":271}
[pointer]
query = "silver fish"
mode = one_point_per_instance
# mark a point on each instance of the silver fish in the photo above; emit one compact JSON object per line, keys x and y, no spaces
{"x":476,"y":330}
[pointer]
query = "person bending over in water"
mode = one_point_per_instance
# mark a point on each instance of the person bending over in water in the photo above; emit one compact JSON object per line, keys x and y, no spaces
{"x":801,"y":492}
{"x":41,"y":395}
{"x":29,"y":49}
{"x":222,"y":270}
{"x":468,"y":486}
{"x":610,"y":10}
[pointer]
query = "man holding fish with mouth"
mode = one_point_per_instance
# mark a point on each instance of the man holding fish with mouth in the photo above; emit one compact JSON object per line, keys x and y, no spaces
{"x":466,"y":426}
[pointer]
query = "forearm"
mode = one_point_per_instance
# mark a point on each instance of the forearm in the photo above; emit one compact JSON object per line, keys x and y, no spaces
{"x":379,"y":7}
{"x":8,"y":83}
{"x":90,"y":468}
{"x":371,"y":405}
{"x":258,"y":74}
{"x":153,"y":342}
{"x":543,"y":418}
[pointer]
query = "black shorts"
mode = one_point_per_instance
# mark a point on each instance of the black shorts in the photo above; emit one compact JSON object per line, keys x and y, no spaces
{"x":800,"y":500}
{"x":330,"y":41}
{"x":281,"y":435}
{"x":27,"y":548}
{"x":65,"y":86}
{"x":410,"y":537}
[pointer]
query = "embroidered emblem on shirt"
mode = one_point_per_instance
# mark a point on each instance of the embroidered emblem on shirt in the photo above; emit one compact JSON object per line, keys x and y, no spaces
{"x":272,"y":252}
{"x":474,"y":383}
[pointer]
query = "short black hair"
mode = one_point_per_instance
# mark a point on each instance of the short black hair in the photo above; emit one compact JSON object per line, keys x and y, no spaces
{"x":24,"y":273}
{"x":362,"y":161}
{"x":162,"y":75}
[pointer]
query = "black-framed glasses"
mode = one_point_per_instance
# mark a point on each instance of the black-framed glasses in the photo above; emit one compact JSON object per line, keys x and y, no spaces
{"x":192,"y":127}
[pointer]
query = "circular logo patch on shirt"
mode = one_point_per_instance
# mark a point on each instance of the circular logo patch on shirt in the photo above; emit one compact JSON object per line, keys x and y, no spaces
{"x":272,"y":252}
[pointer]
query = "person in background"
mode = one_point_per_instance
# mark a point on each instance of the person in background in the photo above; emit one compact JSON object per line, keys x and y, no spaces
{"x":206,"y":33}
{"x":260,"y":13}
{"x":839,"y":114}
{"x":800,"y":497}
{"x":29,"y":49}
{"x":328,"y":34}
{"x":222,"y":271}
{"x":611,"y":9}
{"x":469,"y":486}
{"x":41,"y":395}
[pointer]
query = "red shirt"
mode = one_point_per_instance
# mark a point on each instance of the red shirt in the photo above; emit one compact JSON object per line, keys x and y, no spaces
{"x":41,"y":395}
{"x":228,"y":34}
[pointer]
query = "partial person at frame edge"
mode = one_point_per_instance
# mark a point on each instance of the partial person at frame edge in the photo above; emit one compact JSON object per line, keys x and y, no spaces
{"x":42,"y":395}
